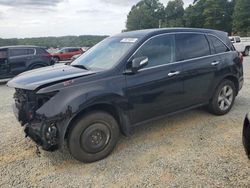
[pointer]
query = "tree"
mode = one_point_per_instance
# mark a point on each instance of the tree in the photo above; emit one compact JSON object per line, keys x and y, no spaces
{"x":217,"y":14}
{"x":66,"y":41}
{"x":174,"y":14}
{"x":145,"y":14}
{"x":213,"y":14}
{"x":241,"y":18}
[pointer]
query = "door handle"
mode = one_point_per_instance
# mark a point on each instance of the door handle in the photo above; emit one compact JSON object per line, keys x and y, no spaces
{"x":173,"y":73}
{"x":215,"y":63}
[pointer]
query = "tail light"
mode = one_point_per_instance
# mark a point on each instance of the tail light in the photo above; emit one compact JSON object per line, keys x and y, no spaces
{"x":241,"y":58}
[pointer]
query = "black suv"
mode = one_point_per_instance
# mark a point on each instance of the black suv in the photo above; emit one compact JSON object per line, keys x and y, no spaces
{"x":124,"y":81}
{"x":17,"y":59}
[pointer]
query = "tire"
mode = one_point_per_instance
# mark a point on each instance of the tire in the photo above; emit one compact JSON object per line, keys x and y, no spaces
{"x":246,"y":52}
{"x":56,"y":59}
{"x":222,"y":98}
{"x":93,"y":137}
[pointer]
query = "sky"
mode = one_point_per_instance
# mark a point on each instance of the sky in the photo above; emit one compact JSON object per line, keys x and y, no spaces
{"x":41,"y":18}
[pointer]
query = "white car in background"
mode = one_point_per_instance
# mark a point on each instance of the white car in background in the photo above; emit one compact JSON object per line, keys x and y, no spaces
{"x":241,"y":44}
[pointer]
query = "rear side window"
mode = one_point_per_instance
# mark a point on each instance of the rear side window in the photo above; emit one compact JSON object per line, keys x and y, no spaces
{"x":160,"y":50}
{"x":237,"y":39}
{"x":73,"y":50}
{"x":191,"y":46}
{"x":219,"y":47}
{"x":21,"y":52}
{"x":41,"y":51}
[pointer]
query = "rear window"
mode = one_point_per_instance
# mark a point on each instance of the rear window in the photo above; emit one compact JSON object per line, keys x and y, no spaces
{"x":219,"y":47}
{"x":20,"y":52}
{"x":191,"y":46}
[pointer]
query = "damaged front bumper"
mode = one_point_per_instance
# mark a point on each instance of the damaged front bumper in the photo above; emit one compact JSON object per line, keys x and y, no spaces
{"x":43,"y":133}
{"x":46,"y":132}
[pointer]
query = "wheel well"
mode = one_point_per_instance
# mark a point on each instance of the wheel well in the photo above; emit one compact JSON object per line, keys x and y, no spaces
{"x":98,"y":107}
{"x":57,"y":57}
{"x":235,"y":81}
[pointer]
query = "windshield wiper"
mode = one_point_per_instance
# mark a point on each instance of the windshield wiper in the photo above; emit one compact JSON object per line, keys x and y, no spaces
{"x":80,"y":66}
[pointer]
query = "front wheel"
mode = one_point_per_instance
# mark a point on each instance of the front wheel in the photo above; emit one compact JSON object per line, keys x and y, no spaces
{"x":246,"y":52}
{"x":93,"y":137}
{"x":223,"y":98}
{"x":56,"y":59}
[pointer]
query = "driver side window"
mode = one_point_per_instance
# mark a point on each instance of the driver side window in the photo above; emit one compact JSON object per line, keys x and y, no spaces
{"x":160,"y":50}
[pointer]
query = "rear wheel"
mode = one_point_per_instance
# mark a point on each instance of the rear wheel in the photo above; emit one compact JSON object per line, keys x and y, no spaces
{"x":223,"y":99}
{"x":246,"y":52}
{"x":93,"y":137}
{"x":56,"y":59}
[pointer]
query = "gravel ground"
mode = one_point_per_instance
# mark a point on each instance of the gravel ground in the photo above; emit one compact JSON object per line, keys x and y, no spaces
{"x":192,"y":149}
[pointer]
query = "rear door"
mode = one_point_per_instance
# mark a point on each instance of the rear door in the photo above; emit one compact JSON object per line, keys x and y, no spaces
{"x":199,"y":66}
{"x":74,"y":51}
{"x":156,"y":89}
{"x":18,"y":58}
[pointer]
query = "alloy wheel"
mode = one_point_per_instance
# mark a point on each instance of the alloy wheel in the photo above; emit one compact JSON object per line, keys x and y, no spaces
{"x":225,"y":98}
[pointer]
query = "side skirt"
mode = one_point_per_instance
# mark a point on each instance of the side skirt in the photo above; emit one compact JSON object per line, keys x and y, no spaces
{"x":167,"y":115}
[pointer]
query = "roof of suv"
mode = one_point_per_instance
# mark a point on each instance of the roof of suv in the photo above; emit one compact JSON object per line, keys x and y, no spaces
{"x":20,"y":46}
{"x":147,"y":33}
{"x":151,"y":32}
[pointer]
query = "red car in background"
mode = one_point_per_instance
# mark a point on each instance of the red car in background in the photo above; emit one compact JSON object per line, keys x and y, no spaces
{"x":67,"y":53}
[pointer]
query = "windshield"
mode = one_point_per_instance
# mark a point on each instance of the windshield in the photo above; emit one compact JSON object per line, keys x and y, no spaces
{"x":106,"y":54}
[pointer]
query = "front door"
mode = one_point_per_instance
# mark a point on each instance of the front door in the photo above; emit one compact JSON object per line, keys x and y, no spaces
{"x":156,"y":89}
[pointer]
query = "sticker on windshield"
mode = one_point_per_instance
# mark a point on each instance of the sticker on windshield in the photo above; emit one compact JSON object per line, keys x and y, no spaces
{"x":129,"y":40}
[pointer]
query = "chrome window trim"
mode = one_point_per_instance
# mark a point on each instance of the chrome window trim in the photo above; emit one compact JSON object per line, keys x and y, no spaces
{"x":221,"y":41}
{"x":177,"y":62}
{"x":183,"y":61}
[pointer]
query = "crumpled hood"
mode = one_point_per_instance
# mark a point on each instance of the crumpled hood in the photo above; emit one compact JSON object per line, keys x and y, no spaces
{"x":33,"y":79}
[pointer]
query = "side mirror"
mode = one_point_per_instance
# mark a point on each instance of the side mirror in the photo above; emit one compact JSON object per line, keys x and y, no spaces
{"x":137,"y":64}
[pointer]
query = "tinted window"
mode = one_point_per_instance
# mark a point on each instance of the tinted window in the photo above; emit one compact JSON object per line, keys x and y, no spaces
{"x":73,"y":50}
{"x":237,"y":39}
{"x":219,"y":47}
{"x":30,"y":51}
{"x":41,"y":51}
{"x":3,"y":54}
{"x":192,"y":46}
{"x":20,"y":52}
{"x":159,"y":50}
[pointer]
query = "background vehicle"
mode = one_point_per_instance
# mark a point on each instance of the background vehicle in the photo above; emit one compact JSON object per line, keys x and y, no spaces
{"x":66,"y":53}
{"x":17,"y":59}
{"x":75,"y":57}
{"x":125,"y":81}
{"x":241,"y":44}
